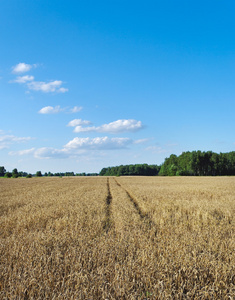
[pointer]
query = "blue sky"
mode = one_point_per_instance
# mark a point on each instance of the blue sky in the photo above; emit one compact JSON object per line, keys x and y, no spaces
{"x":90,"y":84}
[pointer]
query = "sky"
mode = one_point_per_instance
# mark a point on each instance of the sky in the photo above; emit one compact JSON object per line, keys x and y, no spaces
{"x":91,"y":84}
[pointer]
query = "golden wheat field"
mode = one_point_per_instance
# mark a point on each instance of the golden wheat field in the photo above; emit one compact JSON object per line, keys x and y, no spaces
{"x":117,"y":238}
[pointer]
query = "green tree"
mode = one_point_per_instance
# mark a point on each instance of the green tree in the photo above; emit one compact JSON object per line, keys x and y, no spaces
{"x":7,"y":175}
{"x":2,"y":171}
{"x":15,"y":173}
{"x":170,"y":166}
{"x":103,"y":172}
{"x":39,"y":174}
{"x":231,"y":161}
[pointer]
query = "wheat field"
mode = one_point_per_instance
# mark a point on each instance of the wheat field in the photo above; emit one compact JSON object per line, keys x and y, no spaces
{"x":117,"y":238}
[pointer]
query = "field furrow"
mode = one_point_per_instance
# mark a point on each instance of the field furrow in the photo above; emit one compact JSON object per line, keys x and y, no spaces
{"x":143,"y":214}
{"x":108,"y":220}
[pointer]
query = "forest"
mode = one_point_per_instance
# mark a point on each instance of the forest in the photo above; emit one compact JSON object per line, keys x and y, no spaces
{"x":195,"y":163}
{"x":198,"y":163}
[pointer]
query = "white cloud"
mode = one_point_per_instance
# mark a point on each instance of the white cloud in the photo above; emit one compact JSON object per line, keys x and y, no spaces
{"x":62,"y":90}
{"x":23,"y":152}
{"x":13,"y":138}
{"x":58,"y":109}
{"x":21,"y":68}
{"x":7,"y":140}
{"x":74,"y":148}
{"x":46,"y":87}
{"x":141,"y":141}
{"x":77,"y":147}
{"x":47,"y":153}
{"x":98,"y":143}
{"x":23,"y":79}
{"x":78,"y":122}
{"x":79,"y":129}
{"x":53,"y":86}
{"x":50,"y":110}
{"x":113,"y":127}
{"x":121,"y":125}
{"x":76,"y":109}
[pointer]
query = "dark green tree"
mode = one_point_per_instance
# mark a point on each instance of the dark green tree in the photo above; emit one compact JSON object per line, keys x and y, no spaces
{"x":2,"y":171}
{"x":8,"y":175}
{"x":15,"y":173}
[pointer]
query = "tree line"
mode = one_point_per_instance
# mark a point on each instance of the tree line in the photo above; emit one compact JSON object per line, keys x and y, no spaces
{"x":15,"y":174}
{"x":195,"y":163}
{"x":134,"y":170}
{"x":198,"y":163}
{"x":62,"y":174}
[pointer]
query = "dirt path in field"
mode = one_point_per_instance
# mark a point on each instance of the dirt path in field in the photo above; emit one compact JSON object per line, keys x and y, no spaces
{"x":108,"y":221}
{"x":143,"y":215}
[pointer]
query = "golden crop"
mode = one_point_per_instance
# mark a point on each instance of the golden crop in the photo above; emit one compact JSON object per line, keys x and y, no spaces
{"x":117,"y":238}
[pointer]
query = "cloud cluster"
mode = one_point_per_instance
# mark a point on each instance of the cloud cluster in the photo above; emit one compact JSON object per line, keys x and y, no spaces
{"x":77,"y":146}
{"x":45,"y":87}
{"x":81,"y":145}
{"x":115,"y":127}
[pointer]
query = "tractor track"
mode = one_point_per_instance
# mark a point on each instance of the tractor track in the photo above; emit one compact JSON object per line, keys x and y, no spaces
{"x":108,"y":222}
{"x":143,"y":215}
